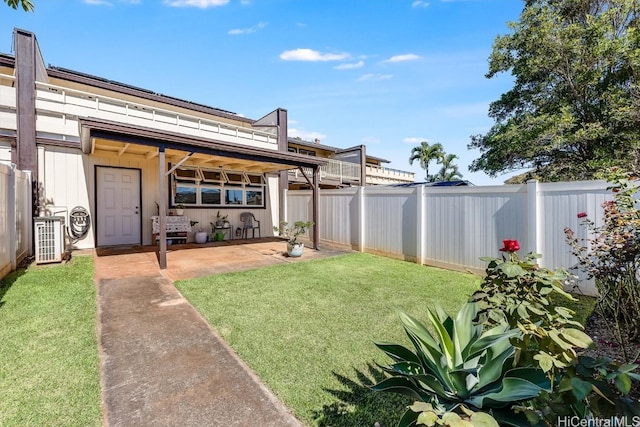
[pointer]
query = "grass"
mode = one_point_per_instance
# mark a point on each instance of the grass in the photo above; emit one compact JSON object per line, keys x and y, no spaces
{"x":307,"y":329}
{"x":49,"y":373}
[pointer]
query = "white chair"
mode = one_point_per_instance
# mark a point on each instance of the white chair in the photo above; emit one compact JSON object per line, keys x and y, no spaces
{"x":249,"y":222}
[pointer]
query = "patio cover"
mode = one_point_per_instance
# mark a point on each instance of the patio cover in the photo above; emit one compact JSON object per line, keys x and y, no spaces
{"x":118,"y":138}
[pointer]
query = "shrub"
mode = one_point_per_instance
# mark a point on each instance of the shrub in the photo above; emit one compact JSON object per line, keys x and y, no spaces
{"x":612,"y":258}
{"x":517,"y":291}
{"x":460,"y":368}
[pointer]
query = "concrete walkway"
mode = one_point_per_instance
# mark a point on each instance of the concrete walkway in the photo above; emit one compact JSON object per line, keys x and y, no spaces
{"x":161,"y":363}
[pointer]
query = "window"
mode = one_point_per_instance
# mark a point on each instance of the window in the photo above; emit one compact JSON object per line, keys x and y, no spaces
{"x":254,"y":197}
{"x":236,"y":177}
{"x":307,"y":152}
{"x":256,"y":179}
{"x":194,"y":186}
{"x":292,"y":149}
{"x":187,"y":174}
{"x":210,"y":195}
{"x":185,"y":194}
{"x":233,"y":196}
{"x":213,"y":176}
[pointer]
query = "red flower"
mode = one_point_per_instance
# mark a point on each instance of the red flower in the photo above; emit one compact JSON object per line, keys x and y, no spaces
{"x":582,"y":214}
{"x":510,"y":246}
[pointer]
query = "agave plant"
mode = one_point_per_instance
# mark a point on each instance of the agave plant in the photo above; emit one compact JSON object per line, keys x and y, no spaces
{"x":460,"y":365}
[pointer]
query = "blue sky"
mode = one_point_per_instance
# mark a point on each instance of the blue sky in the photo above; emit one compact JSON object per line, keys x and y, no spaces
{"x":385,"y":73}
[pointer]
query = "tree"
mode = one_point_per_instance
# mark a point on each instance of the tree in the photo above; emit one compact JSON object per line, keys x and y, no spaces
{"x":26,"y":5}
{"x":448,"y":171}
{"x":574,"y":108}
{"x":425,"y":154}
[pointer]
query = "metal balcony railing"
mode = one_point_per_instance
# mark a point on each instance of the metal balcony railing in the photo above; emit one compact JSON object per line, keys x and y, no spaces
{"x":58,"y":109}
{"x":334,"y":170}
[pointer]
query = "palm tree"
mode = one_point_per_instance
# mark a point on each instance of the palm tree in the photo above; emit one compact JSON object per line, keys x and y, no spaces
{"x":26,"y":5}
{"x":425,"y":153}
{"x":448,"y":171}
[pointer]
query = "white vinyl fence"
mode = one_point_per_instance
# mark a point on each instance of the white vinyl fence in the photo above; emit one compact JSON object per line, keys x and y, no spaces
{"x":453,"y":227}
{"x":15,"y":217}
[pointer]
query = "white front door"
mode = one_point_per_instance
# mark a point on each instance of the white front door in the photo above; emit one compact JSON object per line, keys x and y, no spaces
{"x":118,"y":206}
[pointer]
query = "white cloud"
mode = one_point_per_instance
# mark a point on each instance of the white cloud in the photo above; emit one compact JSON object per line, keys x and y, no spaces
{"x":350,"y":66}
{"x":311,"y":55}
{"x":414,"y":140}
{"x":201,"y":4}
{"x":305,"y":135}
{"x":403,"y":58}
{"x":239,"y":31}
{"x":374,"y":77}
{"x":420,"y":3}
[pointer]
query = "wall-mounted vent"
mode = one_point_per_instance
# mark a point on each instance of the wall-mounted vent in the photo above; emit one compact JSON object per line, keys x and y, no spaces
{"x":49,"y":236}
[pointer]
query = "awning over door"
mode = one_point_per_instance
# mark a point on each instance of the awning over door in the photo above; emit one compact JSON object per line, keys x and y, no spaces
{"x":112,"y":138}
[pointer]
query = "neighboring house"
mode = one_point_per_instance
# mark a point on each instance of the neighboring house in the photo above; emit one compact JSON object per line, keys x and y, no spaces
{"x":345,"y":167}
{"x":123,"y":154}
{"x":457,"y":183}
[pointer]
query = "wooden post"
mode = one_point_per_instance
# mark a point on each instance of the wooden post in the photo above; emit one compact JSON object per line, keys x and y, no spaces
{"x":162,"y":209}
{"x":316,"y":204}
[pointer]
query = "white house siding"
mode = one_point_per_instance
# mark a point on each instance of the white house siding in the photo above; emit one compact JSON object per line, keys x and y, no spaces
{"x":7,"y":103}
{"x":5,"y":152}
{"x":68,"y":180}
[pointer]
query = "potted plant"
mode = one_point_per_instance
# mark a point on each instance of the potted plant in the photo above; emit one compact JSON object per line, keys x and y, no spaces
{"x":292,"y":232}
{"x":221,"y":219}
{"x":179,"y":209}
{"x":201,"y":235}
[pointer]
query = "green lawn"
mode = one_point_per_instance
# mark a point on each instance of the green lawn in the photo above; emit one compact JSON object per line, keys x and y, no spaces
{"x":307,"y":329}
{"x":49,"y":372}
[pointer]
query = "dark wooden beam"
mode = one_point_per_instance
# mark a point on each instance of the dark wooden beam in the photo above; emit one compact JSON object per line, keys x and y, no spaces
{"x":25,"y":70}
{"x":162,"y":210}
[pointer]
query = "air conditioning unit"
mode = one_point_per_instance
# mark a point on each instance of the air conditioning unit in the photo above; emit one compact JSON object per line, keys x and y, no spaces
{"x":49,"y":236}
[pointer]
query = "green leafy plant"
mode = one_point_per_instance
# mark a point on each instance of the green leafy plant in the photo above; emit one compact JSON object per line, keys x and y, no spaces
{"x":612,"y":257}
{"x":517,"y":291}
{"x":429,"y":415}
{"x":292,"y":232}
{"x":460,"y":365}
{"x":588,"y":388}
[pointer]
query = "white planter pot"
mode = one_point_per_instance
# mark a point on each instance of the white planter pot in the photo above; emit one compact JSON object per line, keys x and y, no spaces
{"x":201,"y":237}
{"x":295,"y":250}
